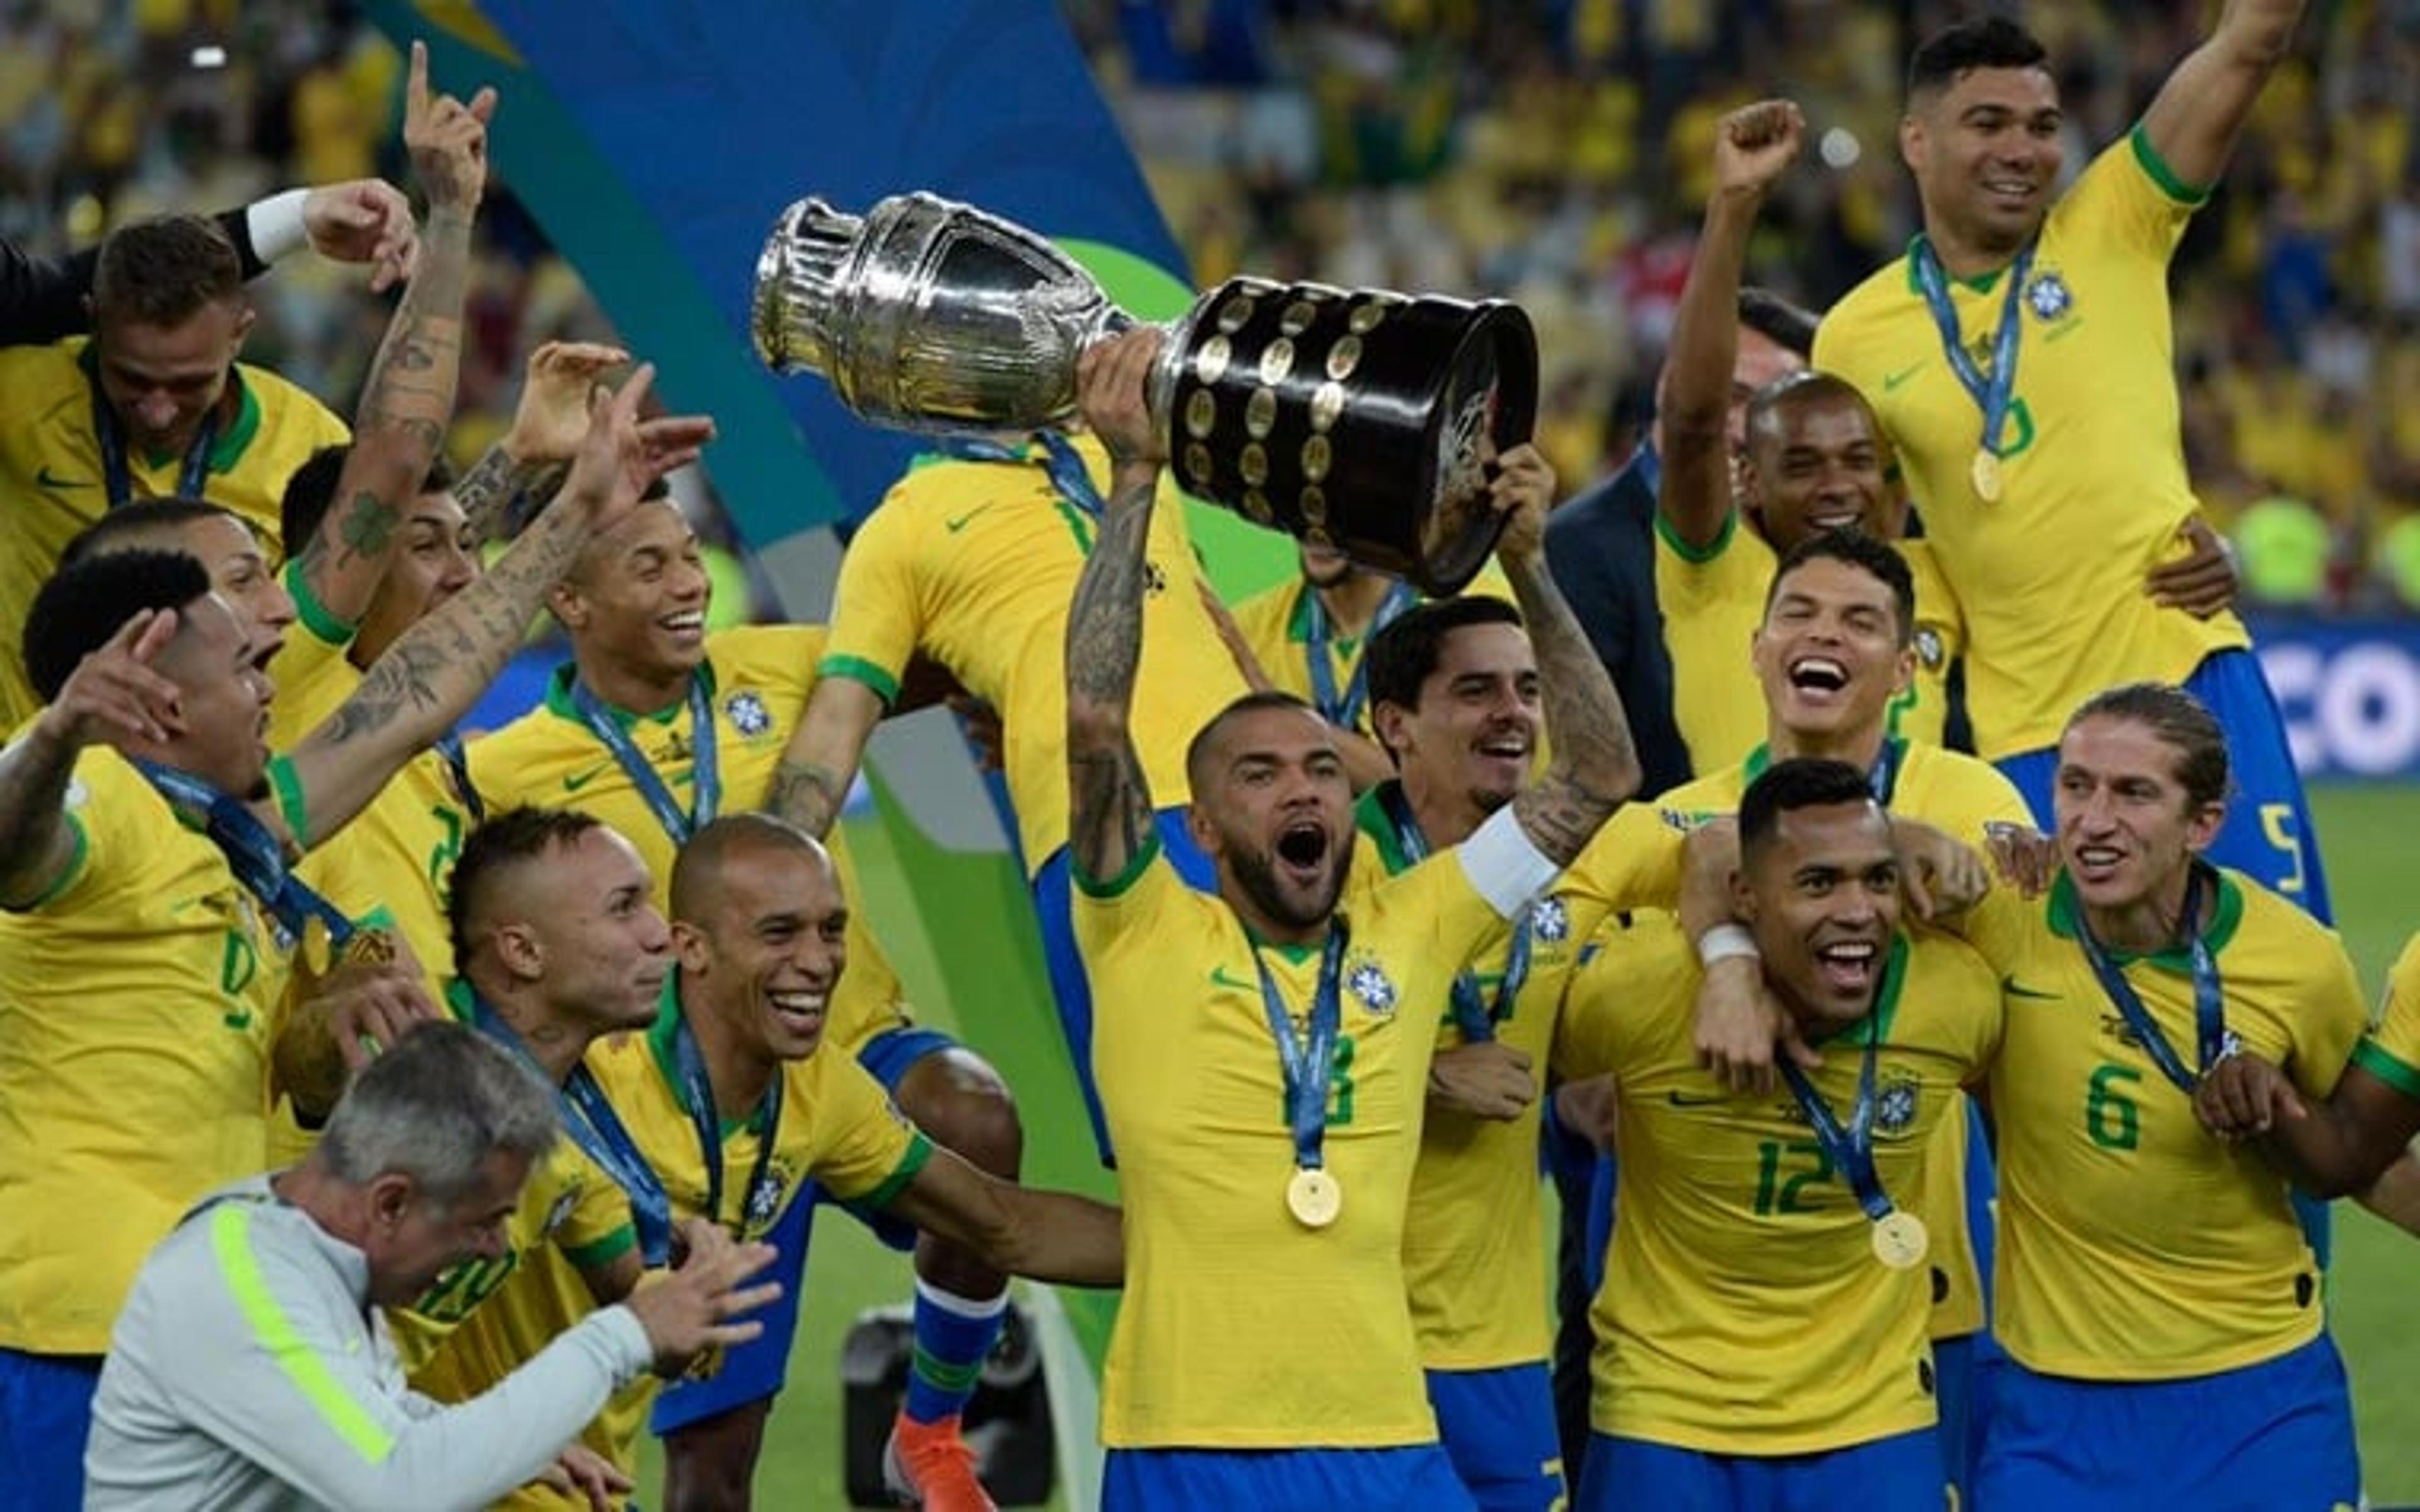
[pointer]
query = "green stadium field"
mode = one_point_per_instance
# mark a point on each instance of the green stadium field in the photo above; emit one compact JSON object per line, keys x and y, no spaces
{"x":2363,"y":832}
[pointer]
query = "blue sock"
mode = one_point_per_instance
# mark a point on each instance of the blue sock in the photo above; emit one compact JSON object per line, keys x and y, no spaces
{"x":953,"y":1336}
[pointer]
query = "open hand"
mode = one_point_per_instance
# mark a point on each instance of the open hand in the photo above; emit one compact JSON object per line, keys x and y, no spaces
{"x":114,"y":693}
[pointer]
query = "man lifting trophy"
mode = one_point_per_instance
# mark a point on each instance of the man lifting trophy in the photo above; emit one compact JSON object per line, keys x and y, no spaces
{"x":1358,"y":419}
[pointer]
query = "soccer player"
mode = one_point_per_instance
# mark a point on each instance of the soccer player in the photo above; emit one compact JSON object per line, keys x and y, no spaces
{"x":2021,"y":359}
{"x":737,"y":1112}
{"x":1739,"y":1209}
{"x":2153,"y":1287}
{"x":245,"y":1372}
{"x":650,"y":726}
{"x":147,"y":911}
{"x":973,"y":562}
{"x":560,"y":945}
{"x":1454,"y":691}
{"x":1308,"y":638}
{"x":1832,"y":658}
{"x":1264,"y":1059}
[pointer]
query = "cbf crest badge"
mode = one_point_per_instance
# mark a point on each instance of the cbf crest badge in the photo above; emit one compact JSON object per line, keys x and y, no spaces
{"x":747,"y":713}
{"x":1927,"y":647}
{"x":1550,"y":922}
{"x":764,"y":1201}
{"x":565,"y":1201}
{"x":1368,"y":981}
{"x":1895,"y":1102}
{"x":2049,"y":297}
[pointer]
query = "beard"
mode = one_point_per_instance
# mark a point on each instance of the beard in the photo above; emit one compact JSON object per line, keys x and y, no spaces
{"x":1256,"y":874}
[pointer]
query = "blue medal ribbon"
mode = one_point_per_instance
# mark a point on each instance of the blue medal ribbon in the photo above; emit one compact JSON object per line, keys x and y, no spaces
{"x":252,"y":853}
{"x":1851,"y":1149}
{"x":457,"y":766}
{"x":1060,"y":459}
{"x":1344,"y":710}
{"x":698,"y":1088}
{"x":1882,"y":778}
{"x":2214,"y":1043}
{"x":705,"y":774}
{"x":1474,"y":1017}
{"x":117,"y":478}
{"x":589,"y":1117}
{"x":1304,"y":1060}
{"x":1992,"y":394}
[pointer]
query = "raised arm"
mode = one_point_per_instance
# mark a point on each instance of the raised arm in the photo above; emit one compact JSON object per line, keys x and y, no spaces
{"x":1050,"y":1236}
{"x":1752,"y":146}
{"x":409,"y":398}
{"x":431,"y":677}
{"x":1595,"y":766}
{"x":113,"y":692}
{"x":812,"y":779}
{"x":549,"y":424}
{"x":1110,"y":811}
{"x":2200,"y":111}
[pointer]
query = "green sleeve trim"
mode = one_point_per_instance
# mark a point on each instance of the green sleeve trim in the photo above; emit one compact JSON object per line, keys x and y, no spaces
{"x":604,"y":1251}
{"x":858,"y":669}
{"x":1696,"y":555}
{"x":2374,"y":1058}
{"x":919,"y":1153}
{"x":231,"y":1241}
{"x":68,"y":873}
{"x":290,"y":805}
{"x":317,"y":617}
{"x":2161,"y":174}
{"x":230,"y":447}
{"x":1116,"y":887}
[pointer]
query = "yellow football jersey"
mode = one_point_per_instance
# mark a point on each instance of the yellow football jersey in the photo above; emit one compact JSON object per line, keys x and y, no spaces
{"x":138,"y":1002}
{"x":756,"y":680}
{"x":483,"y":1320}
{"x":1474,"y":1233}
{"x":1241,"y":1328}
{"x":2132,"y":1245}
{"x":51,"y":472}
{"x":2051,"y":577}
{"x":838,"y":1128}
{"x":1277,"y":624}
{"x":974,"y":563}
{"x":310,"y":673}
{"x":2391,"y":1050}
{"x":1638,"y":856}
{"x":1744,"y":1310}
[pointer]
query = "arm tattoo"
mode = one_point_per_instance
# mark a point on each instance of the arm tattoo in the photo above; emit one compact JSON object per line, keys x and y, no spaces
{"x":1595,"y":767}
{"x":1110,"y":814}
{"x":34,"y":775}
{"x":486,"y":491}
{"x":807,"y":793}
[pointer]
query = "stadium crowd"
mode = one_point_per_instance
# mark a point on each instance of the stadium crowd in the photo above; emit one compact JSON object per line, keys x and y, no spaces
{"x":1852,"y":844}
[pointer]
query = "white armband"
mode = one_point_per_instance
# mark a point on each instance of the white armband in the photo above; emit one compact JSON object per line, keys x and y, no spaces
{"x":276,"y":225}
{"x":1504,"y":865}
{"x":1725,"y":942}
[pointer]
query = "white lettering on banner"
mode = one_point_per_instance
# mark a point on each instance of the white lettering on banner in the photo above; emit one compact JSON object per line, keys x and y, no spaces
{"x":2350,"y":709}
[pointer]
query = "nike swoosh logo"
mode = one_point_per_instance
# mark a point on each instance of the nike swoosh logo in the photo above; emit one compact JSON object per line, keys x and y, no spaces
{"x":958,"y":523}
{"x":1892,"y":382}
{"x":580,"y":780}
{"x":1681,"y":1100}
{"x":1219,"y":975}
{"x":46,"y":480}
{"x":2017,"y":989}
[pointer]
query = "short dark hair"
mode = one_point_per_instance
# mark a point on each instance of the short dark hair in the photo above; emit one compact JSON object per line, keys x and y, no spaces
{"x":2181,"y":722}
{"x":507,"y":841}
{"x":1978,"y":42}
{"x":1401,"y":656}
{"x":139,"y":518}
{"x":1860,"y":551}
{"x":1792,"y":389}
{"x":1778,"y":321}
{"x":84,"y":605}
{"x":1196,"y":750}
{"x":1785,"y":786}
{"x":161,"y":270}
{"x":313,"y":488}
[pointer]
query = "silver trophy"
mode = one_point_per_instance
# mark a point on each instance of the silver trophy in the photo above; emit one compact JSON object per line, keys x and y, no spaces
{"x":1364,"y":419}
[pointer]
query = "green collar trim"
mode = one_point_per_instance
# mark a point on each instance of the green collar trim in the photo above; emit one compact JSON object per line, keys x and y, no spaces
{"x":458,"y":998}
{"x":2064,"y":909}
{"x":228,"y":449}
{"x":1370,"y":817}
{"x":1980,"y":283}
{"x":558,"y":698}
{"x":1876,"y":1024}
{"x":663,"y":1036}
{"x":1894,"y":751}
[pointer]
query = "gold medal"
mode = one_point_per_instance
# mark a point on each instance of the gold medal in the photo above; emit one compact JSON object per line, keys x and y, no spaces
{"x":1900,"y":1241}
{"x":1986,"y":477}
{"x":1315,"y":1198}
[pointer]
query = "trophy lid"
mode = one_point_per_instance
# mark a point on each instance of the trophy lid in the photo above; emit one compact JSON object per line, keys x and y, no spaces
{"x":798,"y":286}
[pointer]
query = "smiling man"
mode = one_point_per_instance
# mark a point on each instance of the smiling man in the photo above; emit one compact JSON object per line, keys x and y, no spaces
{"x":1739,"y":1208}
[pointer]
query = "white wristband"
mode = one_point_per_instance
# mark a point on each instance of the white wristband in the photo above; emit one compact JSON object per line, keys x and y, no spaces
{"x":276,"y":225}
{"x":1724,"y":942}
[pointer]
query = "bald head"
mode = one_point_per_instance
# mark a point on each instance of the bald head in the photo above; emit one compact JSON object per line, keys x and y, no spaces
{"x":699,"y":876}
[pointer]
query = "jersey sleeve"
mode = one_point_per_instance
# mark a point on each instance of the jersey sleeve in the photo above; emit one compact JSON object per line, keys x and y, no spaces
{"x":2329,"y":1022}
{"x":877,"y":605}
{"x":104,"y":815}
{"x":866,"y":1150}
{"x":1626,"y":971}
{"x":2391,"y":1050}
{"x":1634,"y":862}
{"x":2130,"y":198}
{"x":598,"y":1228}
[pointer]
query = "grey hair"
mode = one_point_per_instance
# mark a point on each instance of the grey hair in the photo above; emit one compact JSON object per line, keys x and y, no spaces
{"x":434,"y":1108}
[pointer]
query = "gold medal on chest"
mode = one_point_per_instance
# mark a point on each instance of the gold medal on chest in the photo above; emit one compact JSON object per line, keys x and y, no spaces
{"x":1314,"y":1198}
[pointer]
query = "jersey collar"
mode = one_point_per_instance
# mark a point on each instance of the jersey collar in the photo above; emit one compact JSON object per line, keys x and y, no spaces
{"x":558,"y":697}
{"x":2063,"y":910}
